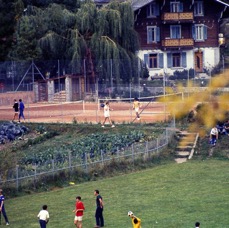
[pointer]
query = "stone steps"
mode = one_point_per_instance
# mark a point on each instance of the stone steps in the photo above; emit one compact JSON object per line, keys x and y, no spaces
{"x":60,"y":96}
{"x":186,"y":148}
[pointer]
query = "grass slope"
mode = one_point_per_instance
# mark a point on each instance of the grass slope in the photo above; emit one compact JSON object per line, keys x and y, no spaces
{"x":174,"y":195}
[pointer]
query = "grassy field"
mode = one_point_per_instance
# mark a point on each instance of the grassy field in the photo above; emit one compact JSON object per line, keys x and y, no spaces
{"x":173,"y":195}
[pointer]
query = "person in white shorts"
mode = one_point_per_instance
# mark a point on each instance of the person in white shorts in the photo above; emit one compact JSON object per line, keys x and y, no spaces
{"x":79,"y":209}
{"x":107,"y":114}
{"x":136,"y":107}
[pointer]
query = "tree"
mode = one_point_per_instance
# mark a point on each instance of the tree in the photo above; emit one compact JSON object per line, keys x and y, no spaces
{"x":10,"y":12}
{"x":103,"y":37}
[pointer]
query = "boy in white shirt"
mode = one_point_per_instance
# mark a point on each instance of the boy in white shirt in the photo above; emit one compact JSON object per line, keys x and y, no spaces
{"x":43,"y":216}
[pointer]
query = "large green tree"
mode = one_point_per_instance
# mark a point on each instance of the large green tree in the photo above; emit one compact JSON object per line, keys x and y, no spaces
{"x":10,"y":12}
{"x":104,"y":37}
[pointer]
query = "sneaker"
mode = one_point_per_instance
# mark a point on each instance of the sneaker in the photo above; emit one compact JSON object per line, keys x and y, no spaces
{"x":7,"y":224}
{"x":102,"y":125}
{"x":113,"y":125}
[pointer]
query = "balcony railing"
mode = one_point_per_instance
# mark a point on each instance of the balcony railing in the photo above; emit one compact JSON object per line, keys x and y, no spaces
{"x":182,"y":17}
{"x":178,"y":43}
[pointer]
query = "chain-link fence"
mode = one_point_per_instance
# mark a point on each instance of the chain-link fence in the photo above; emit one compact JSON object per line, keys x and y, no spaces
{"x":21,"y":175}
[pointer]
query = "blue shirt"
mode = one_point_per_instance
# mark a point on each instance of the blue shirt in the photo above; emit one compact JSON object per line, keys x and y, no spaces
{"x":21,"y":106}
{"x":2,"y":198}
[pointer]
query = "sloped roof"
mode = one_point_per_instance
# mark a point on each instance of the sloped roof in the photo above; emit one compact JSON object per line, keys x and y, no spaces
{"x":137,"y":4}
{"x":225,"y":2}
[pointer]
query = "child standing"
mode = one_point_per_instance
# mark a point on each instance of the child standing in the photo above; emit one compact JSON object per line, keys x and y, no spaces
{"x":79,"y":209}
{"x":43,"y":216}
{"x":2,"y":207}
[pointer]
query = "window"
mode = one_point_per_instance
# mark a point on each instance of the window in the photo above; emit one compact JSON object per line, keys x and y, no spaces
{"x":199,"y":32}
{"x":177,"y":59}
{"x":175,"y":31}
{"x":153,"y":34}
{"x":153,"y":10}
{"x":154,"y":60}
{"x":176,"y":7}
{"x":198,"y":8}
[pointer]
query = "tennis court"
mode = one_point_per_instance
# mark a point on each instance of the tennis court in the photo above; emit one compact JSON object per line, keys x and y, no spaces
{"x":81,"y":111}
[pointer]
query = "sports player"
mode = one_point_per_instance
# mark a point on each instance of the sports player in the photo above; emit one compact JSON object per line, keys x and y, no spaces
{"x":107,"y":114}
{"x":79,"y":209}
{"x":136,"y":107}
{"x":135,"y":220}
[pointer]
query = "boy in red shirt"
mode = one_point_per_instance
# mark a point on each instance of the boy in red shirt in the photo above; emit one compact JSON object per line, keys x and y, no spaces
{"x":79,"y":212}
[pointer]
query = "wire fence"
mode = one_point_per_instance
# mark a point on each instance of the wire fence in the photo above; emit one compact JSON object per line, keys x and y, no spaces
{"x":21,"y":175}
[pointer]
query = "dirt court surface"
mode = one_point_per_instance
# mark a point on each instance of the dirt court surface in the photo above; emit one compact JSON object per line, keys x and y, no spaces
{"x":86,"y":112}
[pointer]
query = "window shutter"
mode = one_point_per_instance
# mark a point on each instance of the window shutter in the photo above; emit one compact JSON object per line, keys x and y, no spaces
{"x":149,"y":36}
{"x":205,"y":32}
{"x":181,"y":7}
{"x":157,"y":10}
{"x":158,"y":34}
{"x":178,"y":29}
{"x":146,"y":59}
{"x":161,"y":60}
{"x":194,"y":32}
{"x":148,"y":10}
{"x":184,"y":59}
{"x":169,"y":60}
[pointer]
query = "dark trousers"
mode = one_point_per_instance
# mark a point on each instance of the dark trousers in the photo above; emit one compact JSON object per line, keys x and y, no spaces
{"x":4,"y":214}
{"x":42,"y":223}
{"x":21,"y":115}
{"x":99,"y":217}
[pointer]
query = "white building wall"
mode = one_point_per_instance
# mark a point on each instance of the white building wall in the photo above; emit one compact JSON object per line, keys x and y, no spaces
{"x":155,"y":72}
{"x":211,"y":58}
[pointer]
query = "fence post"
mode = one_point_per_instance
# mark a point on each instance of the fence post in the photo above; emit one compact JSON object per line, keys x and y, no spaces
{"x":35,"y":172}
{"x":132,"y":149}
{"x":85,"y":160}
{"x":102,"y":159}
{"x":69,"y":160}
{"x":118,"y":155}
{"x":83,"y":106}
{"x":147,"y":149}
{"x":53,"y":168}
{"x":166,"y":135}
{"x":96,"y":113}
{"x":17,"y":177}
{"x":174,"y":121}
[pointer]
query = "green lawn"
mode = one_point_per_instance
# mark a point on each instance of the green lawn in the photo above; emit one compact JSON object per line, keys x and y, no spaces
{"x":174,"y":195}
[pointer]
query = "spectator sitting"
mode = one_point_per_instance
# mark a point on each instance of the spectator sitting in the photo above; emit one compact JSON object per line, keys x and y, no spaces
{"x":213,"y":136}
{"x":226,"y":128}
{"x":221,"y":128}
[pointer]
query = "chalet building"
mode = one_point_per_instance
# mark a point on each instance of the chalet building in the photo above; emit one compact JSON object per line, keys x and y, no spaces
{"x":179,"y":34}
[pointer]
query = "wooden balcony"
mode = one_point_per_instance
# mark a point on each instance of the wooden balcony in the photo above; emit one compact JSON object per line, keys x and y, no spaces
{"x":177,"y":43}
{"x":183,"y":17}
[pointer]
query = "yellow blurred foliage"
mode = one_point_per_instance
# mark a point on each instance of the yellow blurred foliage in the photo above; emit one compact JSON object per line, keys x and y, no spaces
{"x":211,"y":103}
